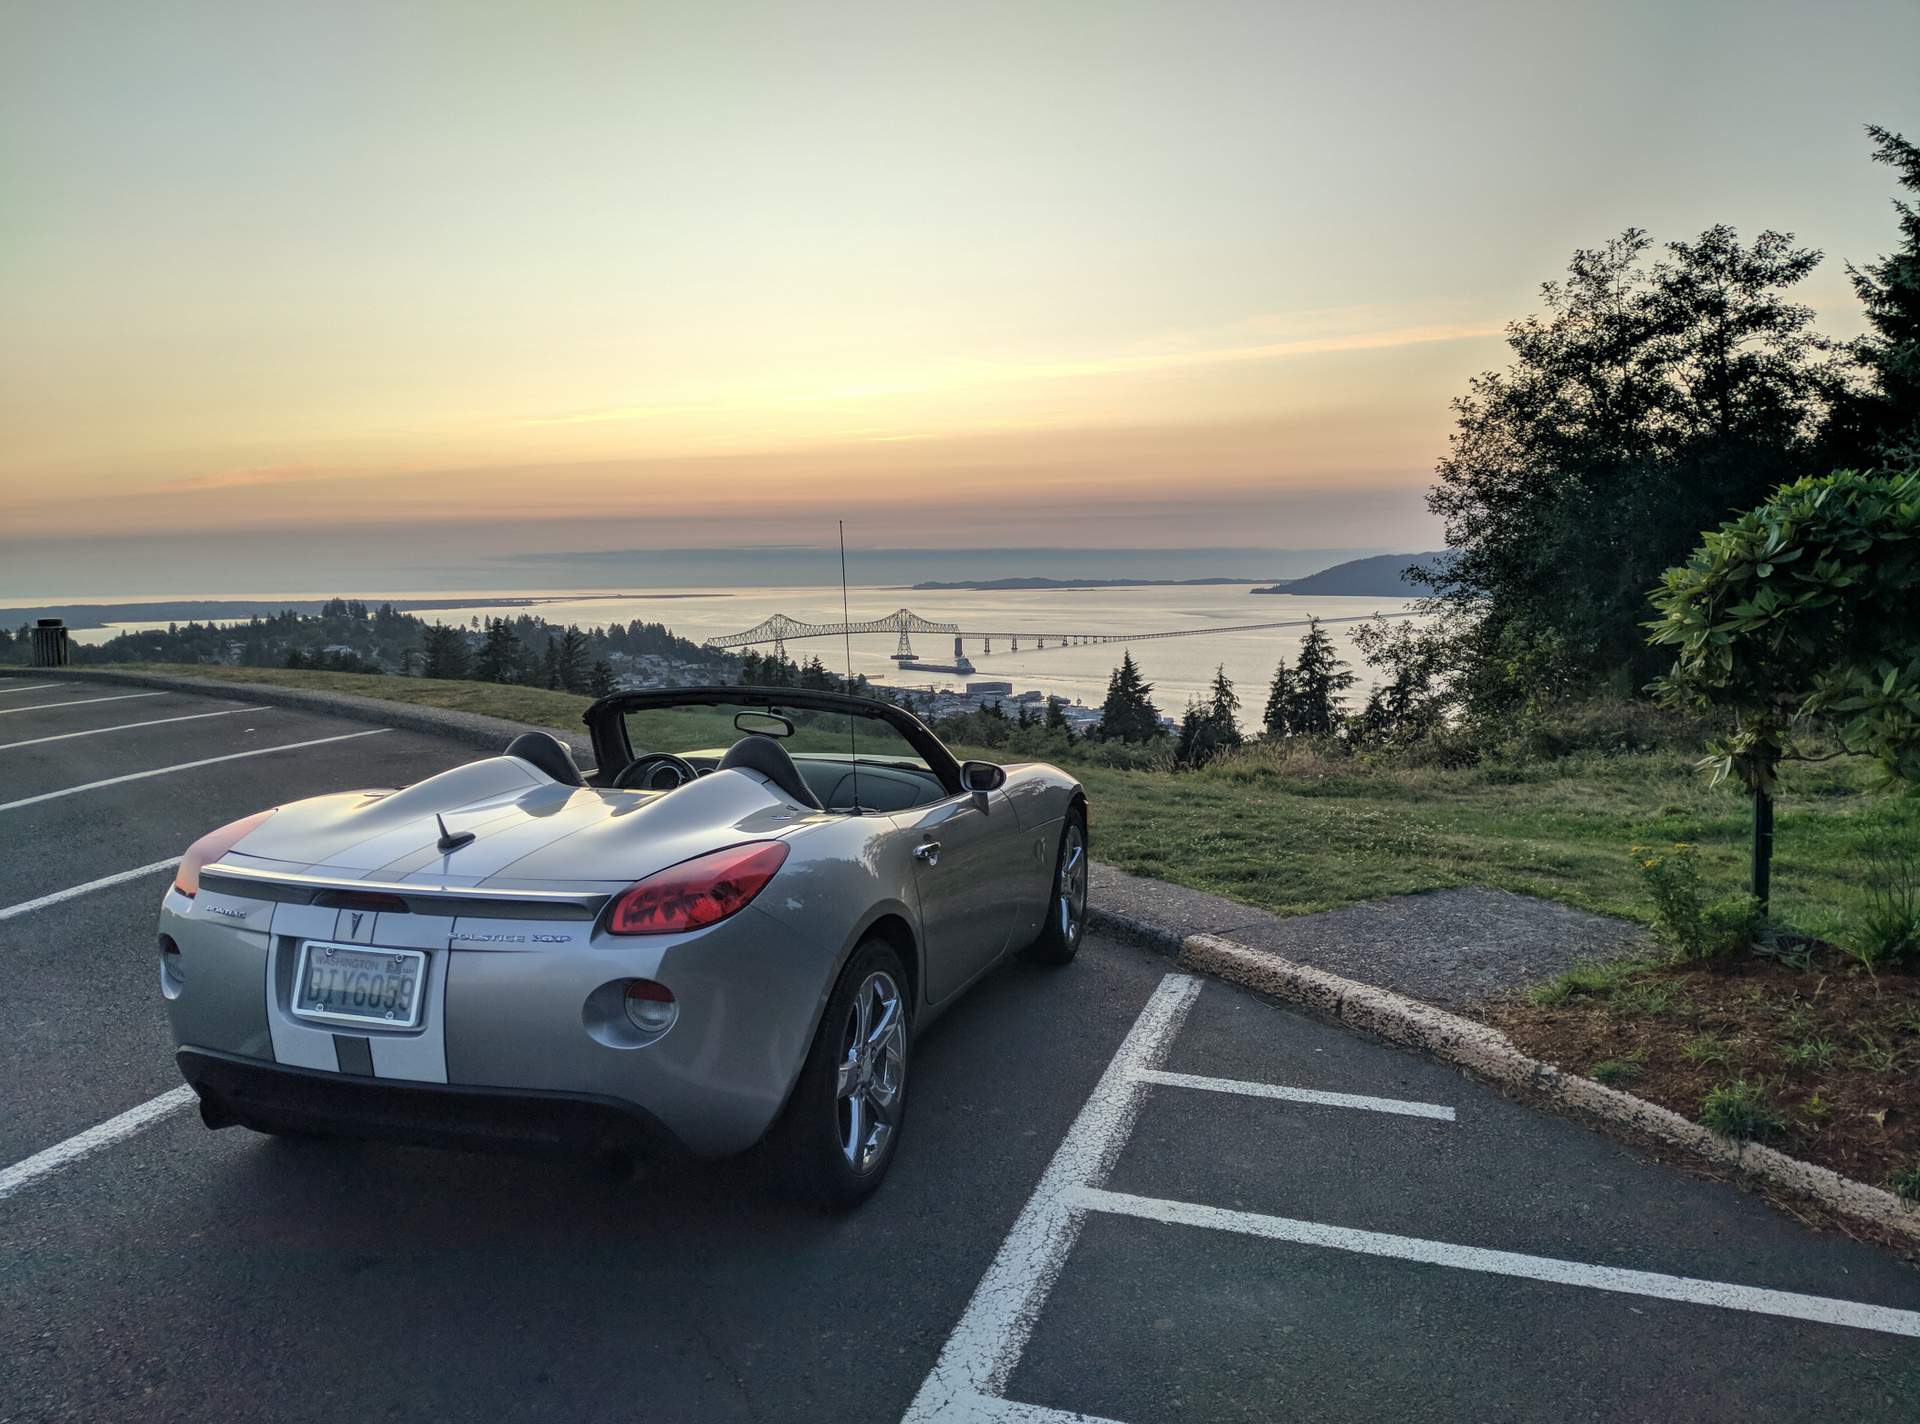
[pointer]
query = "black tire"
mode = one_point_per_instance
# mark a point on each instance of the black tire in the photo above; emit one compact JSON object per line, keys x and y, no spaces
{"x":814,"y":1141}
{"x":1066,"y":923}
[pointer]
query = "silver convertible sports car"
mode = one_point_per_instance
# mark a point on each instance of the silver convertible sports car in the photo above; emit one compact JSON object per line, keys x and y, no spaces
{"x":732,"y":930}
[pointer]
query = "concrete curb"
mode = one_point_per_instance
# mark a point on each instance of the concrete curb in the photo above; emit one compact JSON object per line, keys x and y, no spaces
{"x":473,"y":728}
{"x":1489,"y":1054}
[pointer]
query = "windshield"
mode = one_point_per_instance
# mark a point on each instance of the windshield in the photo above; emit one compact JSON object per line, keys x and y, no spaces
{"x":712,"y":728}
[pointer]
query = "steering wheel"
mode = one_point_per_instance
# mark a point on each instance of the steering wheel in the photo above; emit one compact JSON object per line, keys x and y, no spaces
{"x":648,"y":772}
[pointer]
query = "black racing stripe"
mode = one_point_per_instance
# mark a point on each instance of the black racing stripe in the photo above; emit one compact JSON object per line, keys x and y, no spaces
{"x":355,"y":1054}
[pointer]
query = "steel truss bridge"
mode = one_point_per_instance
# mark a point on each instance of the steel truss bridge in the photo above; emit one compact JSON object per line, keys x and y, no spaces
{"x":780,"y":629}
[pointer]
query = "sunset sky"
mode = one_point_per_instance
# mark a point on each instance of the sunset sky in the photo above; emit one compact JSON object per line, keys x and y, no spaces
{"x":390,"y":287}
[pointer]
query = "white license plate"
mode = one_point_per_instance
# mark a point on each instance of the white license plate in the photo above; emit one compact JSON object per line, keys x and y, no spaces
{"x":359,"y":983}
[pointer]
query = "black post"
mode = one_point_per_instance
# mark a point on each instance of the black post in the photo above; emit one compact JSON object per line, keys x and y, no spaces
{"x":49,"y":643}
{"x":1762,"y":847}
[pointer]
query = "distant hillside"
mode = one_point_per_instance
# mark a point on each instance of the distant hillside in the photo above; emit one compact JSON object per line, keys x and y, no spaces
{"x":1378,"y":577}
{"x":1003,"y":584}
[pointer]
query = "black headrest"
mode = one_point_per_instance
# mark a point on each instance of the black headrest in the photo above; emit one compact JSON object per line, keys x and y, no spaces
{"x":546,"y":752}
{"x":766,"y":756}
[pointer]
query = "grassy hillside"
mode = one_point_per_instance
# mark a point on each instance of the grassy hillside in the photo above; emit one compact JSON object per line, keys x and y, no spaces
{"x":533,"y":705}
{"x":1299,"y":832}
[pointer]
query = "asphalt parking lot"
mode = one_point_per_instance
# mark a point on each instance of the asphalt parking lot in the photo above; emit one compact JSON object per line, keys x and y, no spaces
{"x":1123,"y":1194}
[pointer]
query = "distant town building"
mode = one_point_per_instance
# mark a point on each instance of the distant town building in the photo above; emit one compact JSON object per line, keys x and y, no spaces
{"x":989,"y":689}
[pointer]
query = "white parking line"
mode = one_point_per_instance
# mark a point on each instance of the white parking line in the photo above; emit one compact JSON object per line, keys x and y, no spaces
{"x":82,"y":702}
{"x":101,"y":884}
{"x":30,"y":687}
{"x":968,"y":1380}
{"x":125,"y":727}
{"x":1297,"y":1095}
{"x":1822,"y":1310}
{"x":184,"y":766}
{"x":85,"y":1144}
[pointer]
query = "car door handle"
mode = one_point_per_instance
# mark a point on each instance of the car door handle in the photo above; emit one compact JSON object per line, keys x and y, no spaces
{"x":929,"y":851}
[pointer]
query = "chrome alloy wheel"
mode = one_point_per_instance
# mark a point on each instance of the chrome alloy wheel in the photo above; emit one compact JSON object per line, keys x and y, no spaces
{"x":1070,"y":890}
{"x":873,"y":1068}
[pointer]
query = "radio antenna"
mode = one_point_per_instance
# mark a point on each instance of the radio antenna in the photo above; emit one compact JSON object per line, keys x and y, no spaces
{"x":846,"y":642}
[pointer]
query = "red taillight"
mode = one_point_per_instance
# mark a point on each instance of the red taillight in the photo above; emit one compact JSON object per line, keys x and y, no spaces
{"x":210,"y":848}
{"x":698,"y":892}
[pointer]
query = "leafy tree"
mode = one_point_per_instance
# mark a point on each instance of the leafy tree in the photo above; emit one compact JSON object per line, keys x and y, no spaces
{"x":444,"y":652}
{"x":1128,"y":714}
{"x":1799,"y":610}
{"x":1320,"y":680}
{"x":1410,"y":702}
{"x":499,"y":659}
{"x":1654,"y":398}
{"x":1885,"y":419}
{"x":600,"y":679}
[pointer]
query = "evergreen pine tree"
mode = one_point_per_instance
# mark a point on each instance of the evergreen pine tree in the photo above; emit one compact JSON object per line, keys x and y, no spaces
{"x":499,"y":658}
{"x":1128,"y":715}
{"x":1199,"y":738}
{"x":573,"y":660}
{"x":1222,"y":703}
{"x":600,"y":679}
{"x":1055,"y":719}
{"x":444,"y":652}
{"x":550,"y":674}
{"x":1278,"y":718}
{"x":1320,"y":680}
{"x":1889,"y":289}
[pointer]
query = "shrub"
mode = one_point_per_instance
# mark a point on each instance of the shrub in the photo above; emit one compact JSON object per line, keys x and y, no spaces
{"x":1887,"y":931}
{"x":1689,"y":927}
{"x":1797,"y":614}
{"x":1610,"y":726}
{"x":1743,"y":1110}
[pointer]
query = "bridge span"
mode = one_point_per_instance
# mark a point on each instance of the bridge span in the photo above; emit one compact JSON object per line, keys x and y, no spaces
{"x":779,"y":629}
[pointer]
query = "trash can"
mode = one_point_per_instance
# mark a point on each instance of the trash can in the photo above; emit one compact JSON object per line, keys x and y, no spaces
{"x":50,"y":643}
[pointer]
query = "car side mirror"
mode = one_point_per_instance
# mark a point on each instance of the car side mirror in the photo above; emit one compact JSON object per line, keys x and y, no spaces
{"x":980,"y":777}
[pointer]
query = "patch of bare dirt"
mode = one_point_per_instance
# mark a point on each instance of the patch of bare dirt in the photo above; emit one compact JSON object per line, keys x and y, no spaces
{"x":1837,"y":1050}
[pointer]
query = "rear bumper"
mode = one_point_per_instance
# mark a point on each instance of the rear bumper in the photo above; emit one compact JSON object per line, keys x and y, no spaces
{"x":246,"y":1092}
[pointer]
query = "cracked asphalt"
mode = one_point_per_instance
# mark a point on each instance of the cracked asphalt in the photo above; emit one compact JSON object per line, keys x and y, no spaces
{"x":186,"y":1274}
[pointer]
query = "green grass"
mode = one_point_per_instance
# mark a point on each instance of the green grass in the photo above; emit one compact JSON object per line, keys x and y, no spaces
{"x":1614,"y":1071}
{"x":1905,"y":1183}
{"x":533,"y":705}
{"x":1815,"y":1054}
{"x":1298,"y":838}
{"x":1742,"y":1109}
{"x":1592,"y":980}
{"x":1298,"y":831}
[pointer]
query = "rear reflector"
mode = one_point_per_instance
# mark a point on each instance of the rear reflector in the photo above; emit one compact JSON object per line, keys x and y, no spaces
{"x":650,"y":1006}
